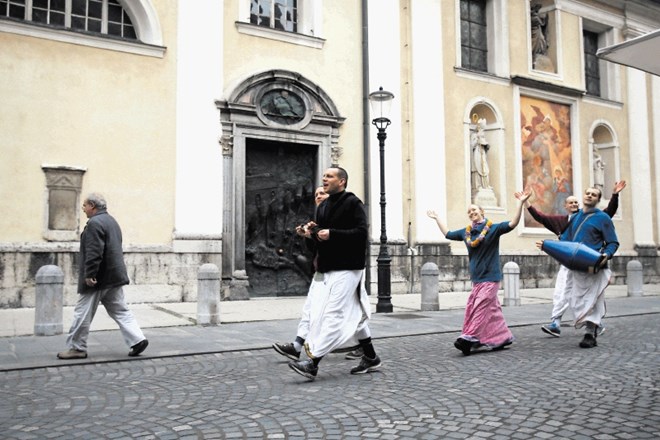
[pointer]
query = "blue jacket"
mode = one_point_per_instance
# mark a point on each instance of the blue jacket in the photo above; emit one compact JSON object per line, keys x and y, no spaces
{"x":594,"y":229}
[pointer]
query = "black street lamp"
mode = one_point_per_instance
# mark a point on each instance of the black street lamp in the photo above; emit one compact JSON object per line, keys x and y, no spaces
{"x":381,"y":102}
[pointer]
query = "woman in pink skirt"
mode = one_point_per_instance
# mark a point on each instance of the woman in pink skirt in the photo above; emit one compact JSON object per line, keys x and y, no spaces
{"x":484,"y":323}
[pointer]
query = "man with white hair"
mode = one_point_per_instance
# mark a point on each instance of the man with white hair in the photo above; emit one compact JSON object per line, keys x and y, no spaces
{"x":102,"y":275}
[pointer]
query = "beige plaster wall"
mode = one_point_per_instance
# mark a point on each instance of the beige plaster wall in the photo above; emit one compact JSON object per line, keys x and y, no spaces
{"x":337,"y":69}
{"x":110,"y":112}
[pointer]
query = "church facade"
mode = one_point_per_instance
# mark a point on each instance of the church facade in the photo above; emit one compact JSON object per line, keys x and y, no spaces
{"x":207,"y":126}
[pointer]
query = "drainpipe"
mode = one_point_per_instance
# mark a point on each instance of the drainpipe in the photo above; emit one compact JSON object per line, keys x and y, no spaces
{"x":366,"y":128}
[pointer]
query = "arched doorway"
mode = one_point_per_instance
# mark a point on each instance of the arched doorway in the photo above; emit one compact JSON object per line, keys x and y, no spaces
{"x":280,"y":131}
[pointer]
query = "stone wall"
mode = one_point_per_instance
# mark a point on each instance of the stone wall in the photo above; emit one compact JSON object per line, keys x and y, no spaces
{"x":157,"y":274}
{"x":169,"y":274}
{"x":537,"y":270}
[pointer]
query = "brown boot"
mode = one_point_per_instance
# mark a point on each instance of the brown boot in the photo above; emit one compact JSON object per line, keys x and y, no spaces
{"x":72,"y":353}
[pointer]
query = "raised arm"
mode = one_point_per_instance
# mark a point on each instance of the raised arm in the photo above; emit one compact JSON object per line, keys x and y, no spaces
{"x":441,"y":225}
{"x":553,"y":223}
{"x":521,"y":198}
{"x":613,"y":205}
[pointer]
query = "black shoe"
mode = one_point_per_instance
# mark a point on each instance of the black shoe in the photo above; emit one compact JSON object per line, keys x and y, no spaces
{"x":367,"y":365}
{"x":138,"y":348}
{"x":589,"y":341}
{"x":287,"y":350}
{"x":305,"y":368}
{"x":464,"y":345}
{"x":501,"y":347}
{"x":355,"y":354}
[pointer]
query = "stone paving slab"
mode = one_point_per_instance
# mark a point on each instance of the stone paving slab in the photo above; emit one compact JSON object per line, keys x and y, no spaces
{"x":20,"y":322}
{"x":540,"y":387}
{"x":107,"y":346}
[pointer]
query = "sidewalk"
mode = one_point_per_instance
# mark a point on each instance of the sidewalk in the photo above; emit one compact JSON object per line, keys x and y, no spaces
{"x":255,"y":324}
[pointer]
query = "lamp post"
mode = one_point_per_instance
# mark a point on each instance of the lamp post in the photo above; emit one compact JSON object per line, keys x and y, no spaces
{"x":381,"y":102}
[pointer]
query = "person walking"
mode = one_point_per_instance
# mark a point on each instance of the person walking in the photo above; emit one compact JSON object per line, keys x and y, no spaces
{"x":102,"y":273}
{"x":483,"y":324}
{"x":340,"y":309}
{"x":291,"y":350}
{"x":586,"y":291}
{"x":557,"y":224}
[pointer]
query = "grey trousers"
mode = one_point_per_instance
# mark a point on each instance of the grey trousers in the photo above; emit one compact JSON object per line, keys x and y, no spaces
{"x":114,"y":303}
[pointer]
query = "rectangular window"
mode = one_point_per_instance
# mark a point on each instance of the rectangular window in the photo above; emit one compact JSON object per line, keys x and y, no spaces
{"x":591,"y":66}
{"x":474,"y":36}
{"x":276,"y":14}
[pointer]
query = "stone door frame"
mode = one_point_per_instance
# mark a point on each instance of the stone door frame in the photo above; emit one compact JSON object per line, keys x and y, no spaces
{"x":242,"y":117}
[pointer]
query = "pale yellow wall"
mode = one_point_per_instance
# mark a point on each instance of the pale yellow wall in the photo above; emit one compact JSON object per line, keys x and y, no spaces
{"x":459,"y":91}
{"x":337,"y":69}
{"x":519,"y":41}
{"x":112,"y":113}
{"x":572,"y":73}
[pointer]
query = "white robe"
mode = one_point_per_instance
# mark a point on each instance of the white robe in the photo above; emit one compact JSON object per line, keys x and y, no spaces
{"x":339,"y":310}
{"x":560,"y":295}
{"x":587,"y":295}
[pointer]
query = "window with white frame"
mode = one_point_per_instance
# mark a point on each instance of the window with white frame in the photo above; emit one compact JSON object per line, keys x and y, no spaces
{"x":482,"y":43}
{"x":591,"y":67}
{"x":474,"y":35}
{"x":601,"y":78}
{"x":275,"y":14}
{"x":292,"y":21}
{"x":105,"y":17}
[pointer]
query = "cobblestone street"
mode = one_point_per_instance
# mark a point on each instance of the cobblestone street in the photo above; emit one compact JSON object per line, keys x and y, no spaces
{"x":541,"y":387}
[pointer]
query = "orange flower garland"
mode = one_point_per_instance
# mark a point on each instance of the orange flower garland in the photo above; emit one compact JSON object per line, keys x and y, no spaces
{"x":480,"y":238}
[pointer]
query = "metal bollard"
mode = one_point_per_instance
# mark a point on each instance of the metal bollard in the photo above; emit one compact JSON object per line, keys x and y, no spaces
{"x":634,"y":278}
{"x":511,"y":284}
{"x":49,"y":299}
{"x":430,"y":288}
{"x":208,"y":295}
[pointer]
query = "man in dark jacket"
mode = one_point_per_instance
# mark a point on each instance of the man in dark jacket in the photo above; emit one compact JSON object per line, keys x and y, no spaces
{"x":340,"y":308}
{"x":102,"y":275}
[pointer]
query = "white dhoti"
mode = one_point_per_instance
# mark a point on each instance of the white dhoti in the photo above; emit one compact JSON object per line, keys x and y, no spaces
{"x":560,"y":294}
{"x":587,"y":295}
{"x":339,"y":310}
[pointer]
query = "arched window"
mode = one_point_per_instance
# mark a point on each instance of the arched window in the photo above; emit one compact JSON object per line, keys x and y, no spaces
{"x":123,"y":25}
{"x":106,"y":17}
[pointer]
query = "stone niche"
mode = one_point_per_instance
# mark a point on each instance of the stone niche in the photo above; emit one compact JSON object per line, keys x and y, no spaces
{"x":62,"y":211}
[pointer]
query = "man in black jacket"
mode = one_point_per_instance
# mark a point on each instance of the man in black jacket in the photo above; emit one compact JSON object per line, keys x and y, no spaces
{"x":102,"y":273}
{"x":340,"y":308}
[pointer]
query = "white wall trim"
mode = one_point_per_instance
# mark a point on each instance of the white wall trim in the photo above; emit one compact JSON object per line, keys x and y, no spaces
{"x":81,"y":39}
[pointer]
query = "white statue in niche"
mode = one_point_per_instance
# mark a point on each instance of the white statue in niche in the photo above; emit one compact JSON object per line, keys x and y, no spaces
{"x":482,"y":192}
{"x":479,"y":146}
{"x":599,"y":172}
